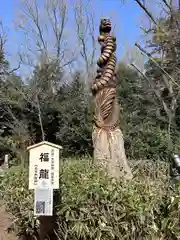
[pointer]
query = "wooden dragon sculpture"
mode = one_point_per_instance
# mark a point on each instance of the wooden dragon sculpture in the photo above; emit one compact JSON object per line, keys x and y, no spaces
{"x":104,"y":85}
{"x":107,"y":137}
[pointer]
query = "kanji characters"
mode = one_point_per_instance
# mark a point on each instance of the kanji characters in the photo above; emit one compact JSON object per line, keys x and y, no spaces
{"x":44,"y":157}
{"x":44,"y":173}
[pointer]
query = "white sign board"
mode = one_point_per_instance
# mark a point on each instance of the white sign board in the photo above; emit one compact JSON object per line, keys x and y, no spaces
{"x":43,"y":202}
{"x":44,"y":166}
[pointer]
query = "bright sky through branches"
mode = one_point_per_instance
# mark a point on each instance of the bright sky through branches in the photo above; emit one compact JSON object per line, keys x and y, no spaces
{"x":125,"y":17}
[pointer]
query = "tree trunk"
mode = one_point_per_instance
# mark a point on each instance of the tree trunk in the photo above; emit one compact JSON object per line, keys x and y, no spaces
{"x":109,"y":152}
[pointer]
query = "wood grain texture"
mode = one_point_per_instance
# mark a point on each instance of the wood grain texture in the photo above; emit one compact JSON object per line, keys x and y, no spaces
{"x":107,"y":137}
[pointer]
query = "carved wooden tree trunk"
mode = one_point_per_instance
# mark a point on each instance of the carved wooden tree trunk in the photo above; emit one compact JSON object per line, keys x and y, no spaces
{"x":108,"y":141}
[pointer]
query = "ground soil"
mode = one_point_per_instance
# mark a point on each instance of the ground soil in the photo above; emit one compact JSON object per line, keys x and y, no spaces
{"x":5,"y":221}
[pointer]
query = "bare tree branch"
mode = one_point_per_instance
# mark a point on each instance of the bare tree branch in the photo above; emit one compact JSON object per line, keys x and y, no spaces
{"x":40,"y":117}
{"x":31,"y":11}
{"x":15,"y":69}
{"x":167,"y":4}
{"x":142,"y":6}
{"x":44,"y":29}
{"x":57,"y":13}
{"x":85,"y":26}
{"x":152,"y":59}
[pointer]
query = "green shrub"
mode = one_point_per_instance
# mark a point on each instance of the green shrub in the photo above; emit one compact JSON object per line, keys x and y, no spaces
{"x":93,"y":206}
{"x":16,"y":196}
{"x":149,"y":141}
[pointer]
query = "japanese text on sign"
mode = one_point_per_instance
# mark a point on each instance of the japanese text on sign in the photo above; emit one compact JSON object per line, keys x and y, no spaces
{"x":44,"y":167}
{"x":52,"y":166}
{"x":44,"y":157}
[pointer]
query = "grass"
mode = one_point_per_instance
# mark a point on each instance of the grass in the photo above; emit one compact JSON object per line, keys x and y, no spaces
{"x":90,"y":205}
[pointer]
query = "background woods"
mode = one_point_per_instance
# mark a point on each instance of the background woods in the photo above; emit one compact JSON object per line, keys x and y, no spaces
{"x":45,"y":95}
{"x":54,"y":101}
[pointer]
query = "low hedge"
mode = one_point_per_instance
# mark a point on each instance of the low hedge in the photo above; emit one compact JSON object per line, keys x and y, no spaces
{"x":92,"y":206}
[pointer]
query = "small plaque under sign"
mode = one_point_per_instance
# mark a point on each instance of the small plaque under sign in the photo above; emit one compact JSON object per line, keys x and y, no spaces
{"x":43,"y":202}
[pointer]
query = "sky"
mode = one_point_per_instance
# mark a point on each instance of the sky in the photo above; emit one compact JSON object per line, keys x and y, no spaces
{"x":125,"y":17}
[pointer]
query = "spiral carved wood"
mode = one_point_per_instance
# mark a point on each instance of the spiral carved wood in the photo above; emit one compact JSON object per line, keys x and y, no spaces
{"x":105,"y":83}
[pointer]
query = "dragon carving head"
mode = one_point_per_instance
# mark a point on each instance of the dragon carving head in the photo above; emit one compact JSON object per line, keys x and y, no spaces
{"x":105,"y":25}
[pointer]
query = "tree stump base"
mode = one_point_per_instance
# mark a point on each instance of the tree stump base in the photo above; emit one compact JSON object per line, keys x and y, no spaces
{"x":109,"y":153}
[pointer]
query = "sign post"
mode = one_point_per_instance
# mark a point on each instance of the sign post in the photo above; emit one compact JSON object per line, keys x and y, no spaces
{"x":43,"y":176}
